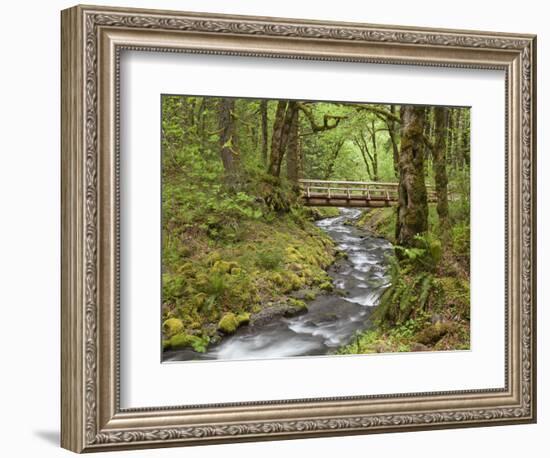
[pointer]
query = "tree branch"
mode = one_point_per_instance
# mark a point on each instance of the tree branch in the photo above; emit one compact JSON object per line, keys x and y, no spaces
{"x":326,"y":118}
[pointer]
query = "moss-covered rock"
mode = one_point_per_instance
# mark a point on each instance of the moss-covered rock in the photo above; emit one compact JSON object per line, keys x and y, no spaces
{"x":243,"y":318}
{"x":228,"y":323}
{"x":326,"y":286}
{"x":183,"y":340}
{"x":433,"y":333}
{"x":309,"y":295}
{"x":172,"y":326}
{"x":296,"y":306}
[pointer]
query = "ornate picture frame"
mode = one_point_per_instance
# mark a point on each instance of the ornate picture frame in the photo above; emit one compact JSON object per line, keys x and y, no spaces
{"x":92,"y":40}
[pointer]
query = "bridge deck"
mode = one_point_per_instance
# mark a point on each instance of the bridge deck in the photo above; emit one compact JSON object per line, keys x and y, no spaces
{"x":323,"y":193}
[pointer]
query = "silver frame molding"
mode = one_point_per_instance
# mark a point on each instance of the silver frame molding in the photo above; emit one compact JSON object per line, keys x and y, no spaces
{"x":92,"y":40}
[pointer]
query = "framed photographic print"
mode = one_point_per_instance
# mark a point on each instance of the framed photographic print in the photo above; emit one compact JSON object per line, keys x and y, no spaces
{"x":277,"y":228}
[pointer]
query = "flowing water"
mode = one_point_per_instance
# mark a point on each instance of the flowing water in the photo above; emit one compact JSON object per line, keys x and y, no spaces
{"x":332,"y":319}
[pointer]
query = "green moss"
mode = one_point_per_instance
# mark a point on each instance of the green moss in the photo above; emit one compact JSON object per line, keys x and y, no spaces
{"x":326,"y":286}
{"x":291,"y":281}
{"x":199,"y":299}
{"x":243,"y":318}
{"x":180,"y":341}
{"x":380,"y":221}
{"x":213,"y":257}
{"x":276,"y":278}
{"x":328,"y":212}
{"x":298,"y":306}
{"x":271,"y":259}
{"x":433,"y":333}
{"x":228,"y":323}
{"x":223,"y":267}
{"x":186,"y":267}
{"x":172,"y":326}
{"x":309,"y":295}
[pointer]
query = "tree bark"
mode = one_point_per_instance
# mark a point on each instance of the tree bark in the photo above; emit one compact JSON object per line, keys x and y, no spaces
{"x":465,"y":137}
{"x":374,"y":153}
{"x":412,"y":210}
{"x":394,"y":133}
{"x":286,"y":112}
{"x":228,"y":139}
{"x":451,"y":145}
{"x":440,"y":171}
{"x":263,"y":111}
{"x":293,"y":154}
{"x":334,"y":155}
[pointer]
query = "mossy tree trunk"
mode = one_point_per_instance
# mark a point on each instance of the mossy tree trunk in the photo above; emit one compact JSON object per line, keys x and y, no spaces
{"x":393,"y":132}
{"x":293,"y":163}
{"x":263,"y":113}
{"x":284,"y":117}
{"x":440,"y":172}
{"x":412,"y":210}
{"x":465,"y":137}
{"x":373,"y":131}
{"x":228,"y":140}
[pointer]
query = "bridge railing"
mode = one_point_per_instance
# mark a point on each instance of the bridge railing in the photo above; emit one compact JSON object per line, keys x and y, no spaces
{"x":367,"y":190}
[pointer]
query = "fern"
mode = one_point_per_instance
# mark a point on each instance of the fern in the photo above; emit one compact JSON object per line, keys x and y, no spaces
{"x":426,"y":285}
{"x":407,"y":295}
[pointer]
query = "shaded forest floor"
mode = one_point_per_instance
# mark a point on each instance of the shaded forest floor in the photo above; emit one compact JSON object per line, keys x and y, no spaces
{"x":428,"y":305}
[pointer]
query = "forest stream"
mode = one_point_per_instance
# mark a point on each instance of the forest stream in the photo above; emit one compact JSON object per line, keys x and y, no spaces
{"x":332,"y":318}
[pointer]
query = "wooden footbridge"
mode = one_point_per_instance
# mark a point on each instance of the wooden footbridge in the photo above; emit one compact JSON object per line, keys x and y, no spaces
{"x":322,"y":193}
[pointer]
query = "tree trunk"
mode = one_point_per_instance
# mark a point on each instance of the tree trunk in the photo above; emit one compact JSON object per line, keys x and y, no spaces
{"x":458,"y":141}
{"x":451,"y":146}
{"x":263,"y":111}
{"x":465,"y":137}
{"x":286,"y":112}
{"x":228,"y":140}
{"x":293,"y":154}
{"x":374,"y":154}
{"x":276,"y":136}
{"x":369,"y":159}
{"x":392,"y":130}
{"x":412,"y":210}
{"x":201,"y":125}
{"x":440,"y":171}
{"x":333,"y":157}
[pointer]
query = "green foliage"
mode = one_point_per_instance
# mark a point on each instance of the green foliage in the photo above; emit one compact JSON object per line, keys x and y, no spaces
{"x":408,"y":293}
{"x":425,"y":256}
{"x":183,"y":340}
{"x":270,"y":259}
